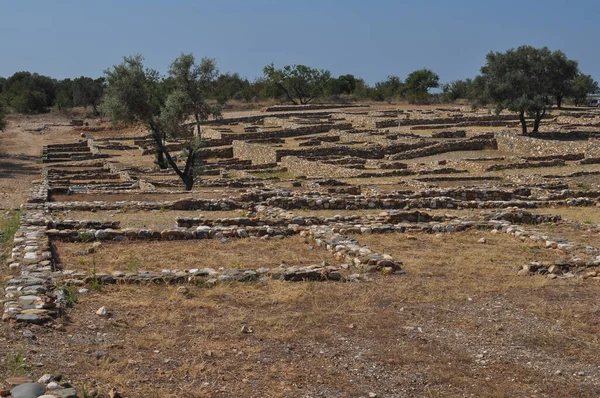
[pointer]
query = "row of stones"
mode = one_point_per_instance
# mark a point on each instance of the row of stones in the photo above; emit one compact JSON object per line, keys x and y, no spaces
{"x":29,"y":296}
{"x":211,"y":276}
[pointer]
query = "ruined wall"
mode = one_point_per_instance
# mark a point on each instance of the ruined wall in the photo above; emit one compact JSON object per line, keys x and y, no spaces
{"x":528,"y":146}
{"x":302,"y":167}
{"x":463,"y":145}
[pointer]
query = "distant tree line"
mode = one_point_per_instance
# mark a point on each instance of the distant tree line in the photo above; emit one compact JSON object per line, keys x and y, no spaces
{"x":525,"y":80}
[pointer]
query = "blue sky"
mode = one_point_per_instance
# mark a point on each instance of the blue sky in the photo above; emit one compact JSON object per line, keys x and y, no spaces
{"x":368,"y":38}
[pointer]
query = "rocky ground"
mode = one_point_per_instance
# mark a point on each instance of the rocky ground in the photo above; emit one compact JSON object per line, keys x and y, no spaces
{"x":265,"y":289}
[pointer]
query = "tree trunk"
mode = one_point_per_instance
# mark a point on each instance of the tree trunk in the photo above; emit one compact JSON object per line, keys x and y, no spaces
{"x":197,"y":116}
{"x":559,"y":99}
{"x":188,"y":180}
{"x":536,"y":122}
{"x":523,"y":123}
{"x":160,"y":158}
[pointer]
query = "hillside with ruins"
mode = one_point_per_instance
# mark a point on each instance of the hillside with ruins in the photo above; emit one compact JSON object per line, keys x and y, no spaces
{"x":377,"y":249}
{"x":340,"y":199}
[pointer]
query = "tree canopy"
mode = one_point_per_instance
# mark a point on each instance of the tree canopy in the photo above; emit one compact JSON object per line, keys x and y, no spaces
{"x":419,"y":82}
{"x":524,"y":80}
{"x":29,"y":92}
{"x":88,"y":92}
{"x":138,"y":94}
{"x":389,"y":88}
{"x":582,"y":86}
{"x":300,"y":83}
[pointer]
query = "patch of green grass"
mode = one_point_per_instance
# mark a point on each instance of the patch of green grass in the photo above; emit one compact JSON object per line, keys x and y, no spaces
{"x":95,"y":282}
{"x":70,"y":296}
{"x":10,"y":226}
{"x":133,"y":265}
{"x":85,"y":236}
{"x":15,"y":364}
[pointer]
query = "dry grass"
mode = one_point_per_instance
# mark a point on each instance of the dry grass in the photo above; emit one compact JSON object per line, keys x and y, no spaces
{"x":457,"y":261}
{"x":586,"y":215}
{"x":415,"y":335}
{"x":156,"y":256}
{"x":153,"y":219}
{"x":148,"y":197}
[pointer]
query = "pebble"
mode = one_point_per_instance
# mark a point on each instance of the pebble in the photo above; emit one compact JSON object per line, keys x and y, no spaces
{"x":45,"y":379}
{"x":102,"y":311}
{"x":52,"y":386}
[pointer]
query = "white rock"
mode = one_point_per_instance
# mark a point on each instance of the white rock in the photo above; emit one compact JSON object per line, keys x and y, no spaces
{"x":102,"y":311}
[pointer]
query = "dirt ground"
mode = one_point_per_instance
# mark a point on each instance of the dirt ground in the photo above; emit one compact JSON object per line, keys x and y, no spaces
{"x":454,"y":326}
{"x":459,"y":323}
{"x":19,"y":162}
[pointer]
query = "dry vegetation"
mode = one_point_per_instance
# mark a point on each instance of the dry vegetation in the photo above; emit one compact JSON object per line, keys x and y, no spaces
{"x":457,"y":324}
{"x":156,"y":256}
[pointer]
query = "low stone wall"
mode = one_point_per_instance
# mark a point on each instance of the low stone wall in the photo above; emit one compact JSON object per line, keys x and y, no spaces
{"x":302,"y":167}
{"x":310,"y":107}
{"x":449,"y":134}
{"x":526,"y":165}
{"x":373,"y":122}
{"x":529,"y":146}
{"x":285,"y":133}
{"x":474,"y":144}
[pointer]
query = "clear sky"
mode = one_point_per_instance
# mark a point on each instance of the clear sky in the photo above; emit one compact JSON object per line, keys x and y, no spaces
{"x":368,"y":38}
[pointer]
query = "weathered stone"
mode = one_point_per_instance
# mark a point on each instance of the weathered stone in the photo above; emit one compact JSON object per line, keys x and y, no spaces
{"x":28,"y":390}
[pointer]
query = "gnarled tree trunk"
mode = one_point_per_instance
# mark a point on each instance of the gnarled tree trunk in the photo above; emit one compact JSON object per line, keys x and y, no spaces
{"x":538,"y":118}
{"x":523,"y":122}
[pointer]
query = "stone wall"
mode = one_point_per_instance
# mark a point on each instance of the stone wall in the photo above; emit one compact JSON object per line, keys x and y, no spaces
{"x":530,"y":146}
{"x":476,"y":144}
{"x":310,"y":107}
{"x":302,"y":167}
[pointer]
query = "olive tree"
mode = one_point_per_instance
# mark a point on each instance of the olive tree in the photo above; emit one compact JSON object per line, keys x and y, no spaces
{"x":523,"y":80}
{"x":419,"y":82}
{"x":88,"y":92}
{"x":583,"y":85}
{"x":195,"y":82}
{"x":300,"y":83}
{"x":138,"y":94}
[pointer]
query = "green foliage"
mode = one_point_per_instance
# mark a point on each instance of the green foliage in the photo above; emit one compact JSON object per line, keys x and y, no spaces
{"x":344,"y":84}
{"x":231,"y":86}
{"x":64,"y":94}
{"x":94,"y":282}
{"x":524,"y":80}
{"x":133,"y":265}
{"x":133,"y":93}
{"x":88,"y":92}
{"x":84,"y":236}
{"x":561,"y":75}
{"x":300,"y":83}
{"x":419,"y":82}
{"x":29,"y":93}
{"x":457,"y":89}
{"x":388,"y":89}
{"x":582,"y":86}
{"x":10,"y":226}
{"x":15,"y":364}
{"x":70,"y":296}
{"x":193,"y":83}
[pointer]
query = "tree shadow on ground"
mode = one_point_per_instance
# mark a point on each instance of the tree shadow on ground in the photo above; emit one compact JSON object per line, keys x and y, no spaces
{"x":9,"y":169}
